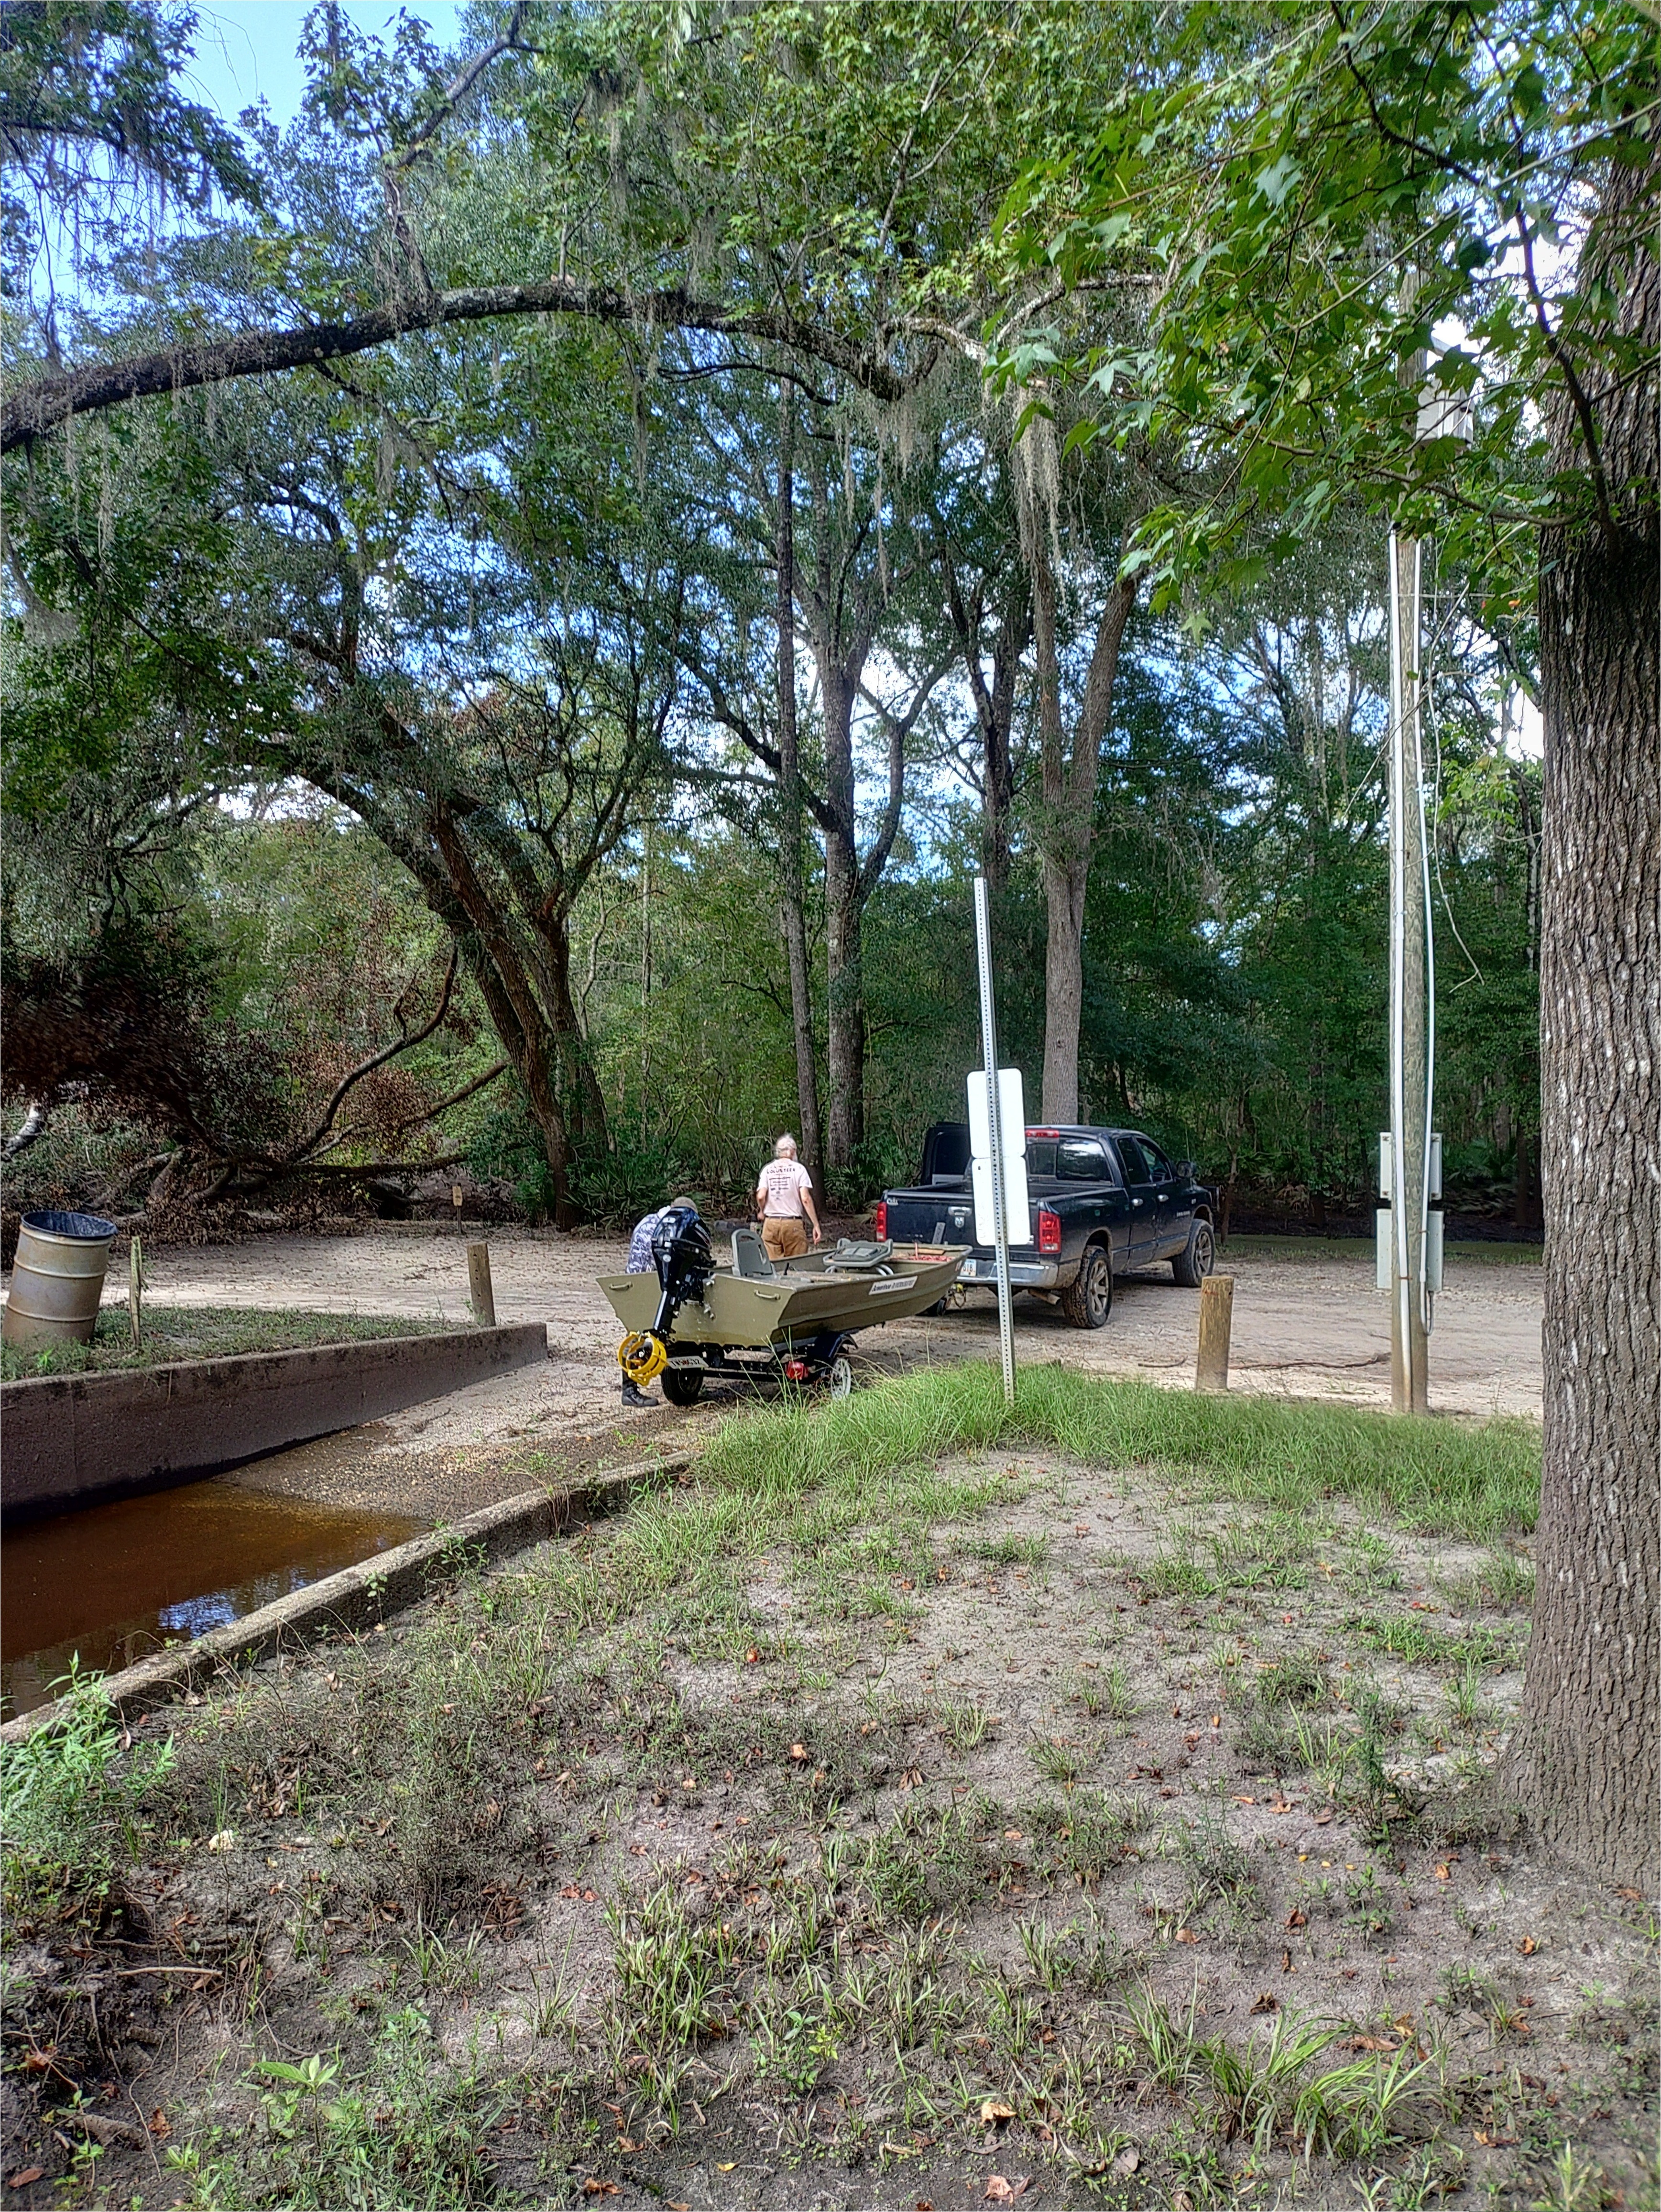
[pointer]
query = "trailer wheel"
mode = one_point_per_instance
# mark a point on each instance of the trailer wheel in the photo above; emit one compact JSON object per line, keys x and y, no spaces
{"x":838,"y":1376}
{"x":683,"y":1386}
{"x":1088,"y":1299}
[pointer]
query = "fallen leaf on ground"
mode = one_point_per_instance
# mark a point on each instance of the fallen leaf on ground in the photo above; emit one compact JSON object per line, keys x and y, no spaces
{"x":798,"y":1751}
{"x":1528,"y":1947}
{"x":22,"y":2180}
{"x":995,"y":2109}
{"x":593,"y":2188}
{"x":1000,"y":2191}
{"x":751,"y":1657}
{"x":1186,"y":1935}
{"x":160,"y":2127}
{"x":1296,"y":1919}
{"x":1127,"y":2163}
{"x":1267,"y":2002}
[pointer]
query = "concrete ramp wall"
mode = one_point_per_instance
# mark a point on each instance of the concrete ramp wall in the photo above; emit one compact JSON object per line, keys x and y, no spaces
{"x":70,"y":1440}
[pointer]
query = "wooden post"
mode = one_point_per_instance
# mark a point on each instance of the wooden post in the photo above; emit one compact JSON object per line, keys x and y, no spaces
{"x":1216,"y":1312}
{"x":478,"y":1285}
{"x":134,"y":1290}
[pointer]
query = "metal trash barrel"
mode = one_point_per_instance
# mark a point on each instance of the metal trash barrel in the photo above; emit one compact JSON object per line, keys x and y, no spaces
{"x":57,"y":1279}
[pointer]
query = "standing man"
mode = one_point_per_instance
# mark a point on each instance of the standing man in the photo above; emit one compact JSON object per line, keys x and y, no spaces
{"x":782,"y":1195}
{"x":640,"y":1262}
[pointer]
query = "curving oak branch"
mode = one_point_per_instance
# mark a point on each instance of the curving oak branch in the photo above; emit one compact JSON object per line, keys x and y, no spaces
{"x":51,"y":400}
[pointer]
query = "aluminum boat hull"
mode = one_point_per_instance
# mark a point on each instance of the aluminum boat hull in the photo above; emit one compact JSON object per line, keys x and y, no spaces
{"x":807,"y":1297}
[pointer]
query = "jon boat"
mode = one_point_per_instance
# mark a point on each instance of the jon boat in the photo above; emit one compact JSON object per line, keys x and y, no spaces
{"x":797,"y":1315}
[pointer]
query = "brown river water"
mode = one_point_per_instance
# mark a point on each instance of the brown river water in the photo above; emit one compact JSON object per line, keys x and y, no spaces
{"x":115,"y":1582}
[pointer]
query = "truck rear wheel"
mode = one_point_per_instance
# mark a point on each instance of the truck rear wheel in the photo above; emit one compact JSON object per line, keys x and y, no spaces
{"x":1088,"y":1300}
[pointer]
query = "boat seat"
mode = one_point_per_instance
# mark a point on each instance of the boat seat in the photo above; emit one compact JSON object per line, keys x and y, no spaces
{"x":749,"y":1257}
{"x":862,"y":1252}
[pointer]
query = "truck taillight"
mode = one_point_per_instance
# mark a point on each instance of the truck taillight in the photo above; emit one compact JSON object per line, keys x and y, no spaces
{"x":1049,"y":1230}
{"x":881,"y":1223}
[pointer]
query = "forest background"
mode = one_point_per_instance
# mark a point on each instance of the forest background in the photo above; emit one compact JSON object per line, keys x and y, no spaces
{"x":562,"y":746}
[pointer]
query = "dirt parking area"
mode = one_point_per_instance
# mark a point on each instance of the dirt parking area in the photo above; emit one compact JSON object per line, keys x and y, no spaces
{"x":1307,"y":1324}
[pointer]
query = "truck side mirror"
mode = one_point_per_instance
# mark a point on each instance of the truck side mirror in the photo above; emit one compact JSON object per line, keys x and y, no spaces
{"x":1189,"y":1170}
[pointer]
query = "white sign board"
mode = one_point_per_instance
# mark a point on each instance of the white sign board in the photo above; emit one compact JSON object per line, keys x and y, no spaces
{"x":1012,"y":1108}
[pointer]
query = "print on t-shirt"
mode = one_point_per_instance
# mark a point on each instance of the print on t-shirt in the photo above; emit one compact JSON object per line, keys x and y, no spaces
{"x":784,"y":1182}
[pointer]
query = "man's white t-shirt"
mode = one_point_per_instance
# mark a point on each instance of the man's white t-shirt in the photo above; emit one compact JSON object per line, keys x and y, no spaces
{"x":782,"y":1183}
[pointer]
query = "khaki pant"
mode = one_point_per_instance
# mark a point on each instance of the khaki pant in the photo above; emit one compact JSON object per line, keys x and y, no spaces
{"x":784,"y":1237}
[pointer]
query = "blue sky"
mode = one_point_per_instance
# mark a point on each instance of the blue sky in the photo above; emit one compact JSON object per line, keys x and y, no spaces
{"x":246,"y":50}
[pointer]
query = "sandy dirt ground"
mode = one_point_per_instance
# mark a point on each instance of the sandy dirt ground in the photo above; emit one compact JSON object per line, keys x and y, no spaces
{"x":1307,"y":1322}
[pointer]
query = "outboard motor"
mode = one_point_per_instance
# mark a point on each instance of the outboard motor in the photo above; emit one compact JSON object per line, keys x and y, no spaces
{"x":685,"y":1260}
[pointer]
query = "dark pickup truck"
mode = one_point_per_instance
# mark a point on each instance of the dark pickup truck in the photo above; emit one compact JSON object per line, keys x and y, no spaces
{"x":1104,"y":1203}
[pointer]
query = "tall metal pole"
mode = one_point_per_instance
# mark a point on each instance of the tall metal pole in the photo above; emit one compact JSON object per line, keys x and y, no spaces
{"x":1409,"y":1103}
{"x":983,"y":946}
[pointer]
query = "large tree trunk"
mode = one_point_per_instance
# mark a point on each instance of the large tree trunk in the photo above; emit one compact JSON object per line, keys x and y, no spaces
{"x":792,"y":894}
{"x":845,"y":1010}
{"x":994,"y":702}
{"x":1068,"y":823}
{"x":578,"y":1079}
{"x":1585,"y":1757}
{"x":997,"y":726}
{"x":540,"y":1049}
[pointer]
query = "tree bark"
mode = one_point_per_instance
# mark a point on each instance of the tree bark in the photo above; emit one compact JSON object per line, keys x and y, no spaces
{"x":1069,"y":816}
{"x":994,"y":702}
{"x":40,"y":406}
{"x":1585,"y":1756}
{"x":792,"y":896}
{"x":844,"y":1024}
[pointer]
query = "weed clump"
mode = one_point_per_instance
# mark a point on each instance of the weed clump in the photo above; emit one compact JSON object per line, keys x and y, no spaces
{"x":73,"y":1806}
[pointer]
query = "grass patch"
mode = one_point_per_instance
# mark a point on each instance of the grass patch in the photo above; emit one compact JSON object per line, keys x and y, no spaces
{"x":175,"y":1332}
{"x":642,"y":1849}
{"x":1408,"y":1636}
{"x":1442,"y":1478}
